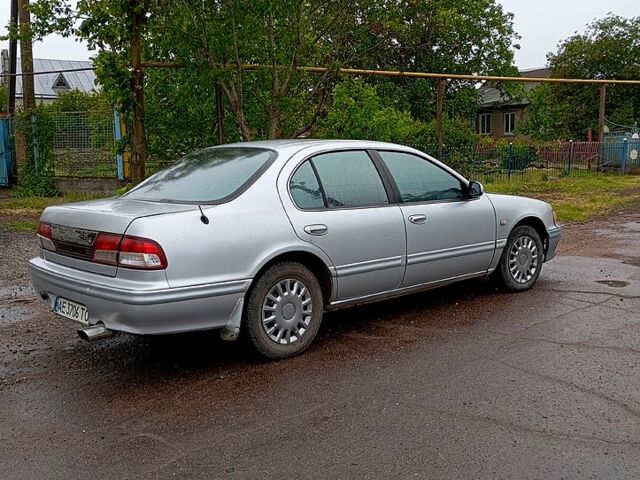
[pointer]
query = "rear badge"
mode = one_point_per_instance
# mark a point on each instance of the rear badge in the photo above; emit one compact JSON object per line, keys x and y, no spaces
{"x":73,"y":235}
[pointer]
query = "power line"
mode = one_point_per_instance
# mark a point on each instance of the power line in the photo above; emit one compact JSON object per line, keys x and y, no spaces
{"x":47,"y":72}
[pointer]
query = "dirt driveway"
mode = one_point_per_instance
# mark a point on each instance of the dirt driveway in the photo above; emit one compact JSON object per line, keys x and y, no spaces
{"x":462,"y":382}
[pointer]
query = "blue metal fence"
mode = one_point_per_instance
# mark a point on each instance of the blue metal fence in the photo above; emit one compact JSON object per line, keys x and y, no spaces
{"x":6,"y":152}
{"x":621,"y":150}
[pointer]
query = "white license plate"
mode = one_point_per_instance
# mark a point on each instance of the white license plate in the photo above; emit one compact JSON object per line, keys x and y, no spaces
{"x":72,"y":310}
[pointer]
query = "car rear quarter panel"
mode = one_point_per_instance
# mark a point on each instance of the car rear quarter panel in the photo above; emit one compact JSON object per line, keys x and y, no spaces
{"x":241,"y":237}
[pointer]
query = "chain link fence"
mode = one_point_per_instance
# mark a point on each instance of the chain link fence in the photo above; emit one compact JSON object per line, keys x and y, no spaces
{"x":77,"y":144}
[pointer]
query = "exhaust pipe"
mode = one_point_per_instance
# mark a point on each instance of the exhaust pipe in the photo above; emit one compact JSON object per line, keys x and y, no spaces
{"x":95,"y":332}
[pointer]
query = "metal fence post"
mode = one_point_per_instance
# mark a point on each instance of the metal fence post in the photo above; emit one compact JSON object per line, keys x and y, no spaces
{"x":509,"y":160}
{"x":625,"y":154}
{"x":117,"y":135}
{"x":570,"y":156}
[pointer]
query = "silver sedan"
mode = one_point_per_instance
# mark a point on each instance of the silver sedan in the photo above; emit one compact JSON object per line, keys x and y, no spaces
{"x":266,"y":236}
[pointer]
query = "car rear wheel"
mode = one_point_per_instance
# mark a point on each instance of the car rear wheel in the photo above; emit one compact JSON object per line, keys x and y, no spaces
{"x":521,"y":260}
{"x":284,"y":310}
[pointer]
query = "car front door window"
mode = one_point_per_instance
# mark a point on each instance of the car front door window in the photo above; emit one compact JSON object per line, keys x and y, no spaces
{"x":419,"y":180}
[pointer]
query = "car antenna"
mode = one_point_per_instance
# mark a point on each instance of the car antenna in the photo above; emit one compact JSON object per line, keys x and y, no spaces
{"x":203,"y":217}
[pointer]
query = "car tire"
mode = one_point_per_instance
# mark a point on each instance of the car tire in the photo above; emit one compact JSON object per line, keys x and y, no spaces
{"x":283,"y":311}
{"x":521,"y":260}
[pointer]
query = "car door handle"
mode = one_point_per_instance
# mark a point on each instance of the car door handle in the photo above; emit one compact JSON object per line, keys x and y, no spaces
{"x":418,"y":219}
{"x":317,"y":229}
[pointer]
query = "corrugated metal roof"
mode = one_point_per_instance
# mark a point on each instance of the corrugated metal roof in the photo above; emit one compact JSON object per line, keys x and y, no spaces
{"x":84,"y":81}
{"x":491,"y":96}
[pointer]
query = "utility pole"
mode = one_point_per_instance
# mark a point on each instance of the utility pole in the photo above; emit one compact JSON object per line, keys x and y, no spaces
{"x":138,"y":137}
{"x":13,"y":58}
{"x":601,"y":116}
{"x":26,"y":57}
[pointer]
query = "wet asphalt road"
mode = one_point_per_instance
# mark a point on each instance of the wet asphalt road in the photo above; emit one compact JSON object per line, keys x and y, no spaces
{"x":462,"y":382}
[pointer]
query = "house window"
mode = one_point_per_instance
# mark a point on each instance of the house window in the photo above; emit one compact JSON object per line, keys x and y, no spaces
{"x":484,"y":123}
{"x":509,"y":123}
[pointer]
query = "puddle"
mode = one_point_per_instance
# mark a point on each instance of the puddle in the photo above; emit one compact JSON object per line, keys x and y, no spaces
{"x":613,"y":283}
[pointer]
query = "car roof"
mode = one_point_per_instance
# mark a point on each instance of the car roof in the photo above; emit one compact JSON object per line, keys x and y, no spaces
{"x":286,"y":148}
{"x":295,"y":145}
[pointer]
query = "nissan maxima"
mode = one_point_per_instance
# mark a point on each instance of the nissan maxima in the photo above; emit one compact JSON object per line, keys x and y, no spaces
{"x":264,"y":237}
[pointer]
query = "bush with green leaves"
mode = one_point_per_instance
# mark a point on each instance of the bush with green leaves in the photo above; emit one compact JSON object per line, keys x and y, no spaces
{"x":4,"y":98}
{"x":359,"y":112}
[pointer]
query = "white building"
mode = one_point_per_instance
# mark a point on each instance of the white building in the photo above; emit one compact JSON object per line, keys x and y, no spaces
{"x":48,"y":85}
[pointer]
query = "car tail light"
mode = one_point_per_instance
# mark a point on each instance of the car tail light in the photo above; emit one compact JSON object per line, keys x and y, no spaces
{"x":105,"y":248}
{"x":128,"y":251}
{"x":141,"y":253}
{"x":43,"y":233}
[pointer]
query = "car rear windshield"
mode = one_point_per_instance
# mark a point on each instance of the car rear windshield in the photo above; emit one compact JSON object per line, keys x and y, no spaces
{"x":213,"y":175}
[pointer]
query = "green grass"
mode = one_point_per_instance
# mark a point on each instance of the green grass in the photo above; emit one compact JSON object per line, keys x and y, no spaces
{"x":575,"y":199}
{"x":27,"y":226}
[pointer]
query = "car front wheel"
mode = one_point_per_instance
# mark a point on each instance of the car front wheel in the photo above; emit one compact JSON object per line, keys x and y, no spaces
{"x":521,"y":260}
{"x":284,"y":310}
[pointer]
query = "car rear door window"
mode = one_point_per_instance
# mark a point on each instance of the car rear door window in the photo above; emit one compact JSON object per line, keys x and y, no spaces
{"x":305,"y":189}
{"x":350,"y":179}
{"x":419,"y":180}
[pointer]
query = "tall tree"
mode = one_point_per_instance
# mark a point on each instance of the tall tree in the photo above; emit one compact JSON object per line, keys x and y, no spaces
{"x":26,"y":56}
{"x":212,"y":41}
{"x":609,"y":48}
{"x":116,"y":29}
{"x":445,"y":36}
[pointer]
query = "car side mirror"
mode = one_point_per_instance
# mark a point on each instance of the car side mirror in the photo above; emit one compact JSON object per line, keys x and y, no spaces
{"x":475,"y":190}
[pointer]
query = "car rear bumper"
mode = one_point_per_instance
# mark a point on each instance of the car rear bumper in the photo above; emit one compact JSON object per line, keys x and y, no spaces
{"x":150,"y":310}
{"x":554,"y":237}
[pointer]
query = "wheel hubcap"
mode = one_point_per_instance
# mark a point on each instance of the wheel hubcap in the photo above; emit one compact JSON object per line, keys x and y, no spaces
{"x":286,"y":311}
{"x":523,"y":259}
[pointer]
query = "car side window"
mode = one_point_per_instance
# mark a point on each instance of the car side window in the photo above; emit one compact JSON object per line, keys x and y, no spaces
{"x":419,"y":180}
{"x":350,"y":179}
{"x":305,"y":189}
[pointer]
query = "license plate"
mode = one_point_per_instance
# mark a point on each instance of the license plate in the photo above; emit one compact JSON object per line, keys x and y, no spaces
{"x":72,"y":310}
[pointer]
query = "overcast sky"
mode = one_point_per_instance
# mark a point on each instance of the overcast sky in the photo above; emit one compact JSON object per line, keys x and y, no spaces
{"x":541,"y":23}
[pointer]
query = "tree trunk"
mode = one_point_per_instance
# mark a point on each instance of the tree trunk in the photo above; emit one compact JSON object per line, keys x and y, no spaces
{"x":219,"y":113}
{"x":26,"y":57}
{"x":138,"y":135}
{"x":13,"y":58}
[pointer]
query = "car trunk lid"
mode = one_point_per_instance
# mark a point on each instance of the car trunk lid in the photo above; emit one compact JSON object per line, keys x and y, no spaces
{"x":75,"y":226}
